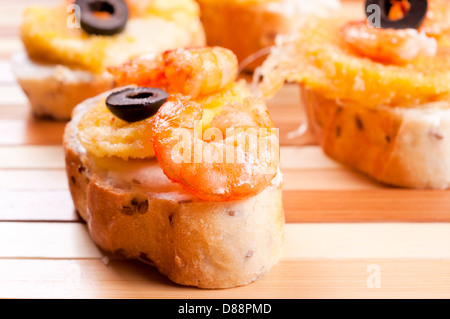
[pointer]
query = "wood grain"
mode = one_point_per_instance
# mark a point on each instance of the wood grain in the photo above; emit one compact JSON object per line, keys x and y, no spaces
{"x":50,"y":157}
{"x":10,"y":45}
{"x":37,"y":240}
{"x":303,"y":279}
{"x":35,"y":205}
{"x":7,"y":76}
{"x":320,"y":261}
{"x":11,"y":94}
{"x":33,"y":180}
{"x":302,"y":241}
{"x":30,"y":131}
{"x":393,"y":205}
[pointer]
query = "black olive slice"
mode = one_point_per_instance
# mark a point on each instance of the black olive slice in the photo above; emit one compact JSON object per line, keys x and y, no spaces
{"x":413,"y":19}
{"x":103,"y":17}
{"x":137,"y":103}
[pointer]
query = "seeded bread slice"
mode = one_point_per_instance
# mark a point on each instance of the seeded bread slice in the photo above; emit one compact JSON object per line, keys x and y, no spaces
{"x":404,"y":147}
{"x":249,"y":27}
{"x":54,"y":90}
{"x":131,"y":208}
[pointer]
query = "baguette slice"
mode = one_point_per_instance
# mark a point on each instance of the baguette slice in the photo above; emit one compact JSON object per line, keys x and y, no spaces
{"x":53,"y":90}
{"x":404,"y":147}
{"x":249,"y":27}
{"x":133,"y":209}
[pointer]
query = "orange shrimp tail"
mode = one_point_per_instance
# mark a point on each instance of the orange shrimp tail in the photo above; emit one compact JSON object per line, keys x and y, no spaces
{"x":184,"y":154}
{"x":195,"y":71}
{"x":140,"y":71}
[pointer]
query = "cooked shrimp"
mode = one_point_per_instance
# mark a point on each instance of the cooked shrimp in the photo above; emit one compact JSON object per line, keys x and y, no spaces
{"x":235,"y":158}
{"x":400,"y":46}
{"x":195,"y":72}
{"x":388,"y":45}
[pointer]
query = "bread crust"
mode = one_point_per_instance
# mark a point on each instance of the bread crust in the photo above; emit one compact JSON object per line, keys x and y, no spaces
{"x":404,"y":147}
{"x":54,"y":97}
{"x":192,"y":242}
{"x":244,"y":29}
{"x":250,"y":28}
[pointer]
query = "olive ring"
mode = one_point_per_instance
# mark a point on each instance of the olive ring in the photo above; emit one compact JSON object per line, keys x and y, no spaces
{"x":136,"y":103}
{"x":413,"y":18}
{"x":92,"y":23}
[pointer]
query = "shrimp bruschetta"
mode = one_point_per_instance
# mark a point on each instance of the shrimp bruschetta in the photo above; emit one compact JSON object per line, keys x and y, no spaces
{"x":179,"y":167}
{"x":68,"y":46}
{"x":377,"y":91}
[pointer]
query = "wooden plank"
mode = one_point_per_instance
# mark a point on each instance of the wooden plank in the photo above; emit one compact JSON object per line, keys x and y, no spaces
{"x":31,"y":132}
{"x":389,"y":204}
{"x":31,"y":157}
{"x":327,"y":179}
{"x":302,"y":273}
{"x":288,"y":136}
{"x":15,"y":112}
{"x":12,"y":94}
{"x":305,"y":157}
{"x":23,"y":3}
{"x":7,"y":76}
{"x":10,"y":45}
{"x":10,"y":20}
{"x":309,"y":279}
{"x":37,"y":206}
{"x":33,"y":180}
{"x":367,"y":240}
{"x":302,"y":241}
{"x":46,"y":240}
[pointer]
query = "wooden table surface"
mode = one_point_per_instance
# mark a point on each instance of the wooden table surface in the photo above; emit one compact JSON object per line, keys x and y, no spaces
{"x":346,"y":236}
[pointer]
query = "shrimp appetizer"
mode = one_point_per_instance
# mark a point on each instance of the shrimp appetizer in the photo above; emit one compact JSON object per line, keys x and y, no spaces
{"x":69,"y":46}
{"x":377,"y":91}
{"x":179,"y":167}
